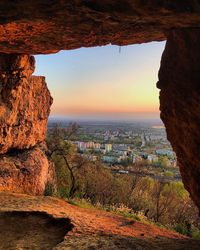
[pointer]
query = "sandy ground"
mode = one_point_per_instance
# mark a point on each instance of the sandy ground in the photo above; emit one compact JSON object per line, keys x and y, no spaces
{"x":92,"y":229}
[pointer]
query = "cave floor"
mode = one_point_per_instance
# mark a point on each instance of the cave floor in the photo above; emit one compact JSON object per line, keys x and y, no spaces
{"x":30,"y":222}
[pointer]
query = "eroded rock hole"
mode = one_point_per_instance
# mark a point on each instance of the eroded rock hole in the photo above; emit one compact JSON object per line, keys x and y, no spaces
{"x":31,"y":230}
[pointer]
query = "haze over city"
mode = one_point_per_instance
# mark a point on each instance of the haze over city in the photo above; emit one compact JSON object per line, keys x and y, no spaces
{"x":106,"y":82}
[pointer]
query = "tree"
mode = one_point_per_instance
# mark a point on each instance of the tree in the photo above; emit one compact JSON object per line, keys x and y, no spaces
{"x":163,"y":197}
{"x":141,"y":197}
{"x":169,"y":174}
{"x":63,"y":152}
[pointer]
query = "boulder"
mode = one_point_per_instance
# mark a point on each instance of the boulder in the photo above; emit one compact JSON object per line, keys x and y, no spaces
{"x":26,"y":171}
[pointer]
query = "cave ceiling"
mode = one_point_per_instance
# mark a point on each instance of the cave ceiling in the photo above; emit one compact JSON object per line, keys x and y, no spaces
{"x":47,"y":26}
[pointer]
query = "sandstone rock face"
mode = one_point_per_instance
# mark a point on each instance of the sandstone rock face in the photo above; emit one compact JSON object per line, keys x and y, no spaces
{"x":26,"y":172}
{"x":46,"y":26}
{"x":24,"y":103}
{"x":179,"y":81}
{"x":24,"y":109}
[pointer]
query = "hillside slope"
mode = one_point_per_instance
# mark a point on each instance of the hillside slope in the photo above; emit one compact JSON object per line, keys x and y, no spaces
{"x":30,"y":222}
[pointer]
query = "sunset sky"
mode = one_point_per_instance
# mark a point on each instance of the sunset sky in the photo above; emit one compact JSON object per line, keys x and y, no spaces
{"x":103,"y":81}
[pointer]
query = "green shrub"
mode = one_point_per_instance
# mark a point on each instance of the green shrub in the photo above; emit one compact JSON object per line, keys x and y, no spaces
{"x":129,"y":215}
{"x":49,"y":189}
{"x":196,"y":234}
{"x":180,"y":228}
{"x":83,"y":203}
{"x":63,"y":192}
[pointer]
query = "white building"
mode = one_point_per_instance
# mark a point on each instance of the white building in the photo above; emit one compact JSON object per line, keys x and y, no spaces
{"x":108,"y":147}
{"x":152,"y":158}
{"x":166,"y":152}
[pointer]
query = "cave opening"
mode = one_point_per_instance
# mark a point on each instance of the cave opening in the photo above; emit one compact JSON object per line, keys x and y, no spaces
{"x":45,"y":27}
{"x":104,"y":158}
{"x":109,"y":147}
{"x":85,"y":76}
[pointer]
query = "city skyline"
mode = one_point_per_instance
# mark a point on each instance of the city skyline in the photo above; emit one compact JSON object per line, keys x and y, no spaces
{"x":104,"y":82}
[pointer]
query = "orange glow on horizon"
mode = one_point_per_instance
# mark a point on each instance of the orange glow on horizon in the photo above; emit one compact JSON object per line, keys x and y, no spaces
{"x":94,"y":110}
{"x":119,"y":96}
{"x":100,"y":80}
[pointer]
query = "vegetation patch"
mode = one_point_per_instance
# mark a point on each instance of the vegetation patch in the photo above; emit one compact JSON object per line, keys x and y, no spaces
{"x":162,"y":201}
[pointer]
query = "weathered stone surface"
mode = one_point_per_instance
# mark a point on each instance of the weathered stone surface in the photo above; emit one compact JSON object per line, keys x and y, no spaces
{"x":26,"y":171}
{"x":179,"y":81}
{"x":46,"y":26}
{"x":24,"y":103}
{"x":24,"y":109}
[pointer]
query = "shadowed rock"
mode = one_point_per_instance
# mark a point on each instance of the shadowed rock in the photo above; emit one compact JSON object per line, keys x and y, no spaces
{"x":31,"y":230}
{"x":179,"y":81}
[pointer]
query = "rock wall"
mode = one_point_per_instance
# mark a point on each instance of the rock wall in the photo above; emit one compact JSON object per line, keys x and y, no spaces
{"x":24,"y":109}
{"x":179,"y":81}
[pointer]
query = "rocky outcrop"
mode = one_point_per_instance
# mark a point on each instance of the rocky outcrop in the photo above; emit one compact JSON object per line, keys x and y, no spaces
{"x":179,"y":81}
{"x":24,"y":103}
{"x":26,"y":171}
{"x":44,"y":26}
{"x":24,"y":109}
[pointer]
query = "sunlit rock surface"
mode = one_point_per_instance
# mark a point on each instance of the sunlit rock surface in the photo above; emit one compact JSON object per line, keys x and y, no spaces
{"x":24,"y":103}
{"x":47,"y":26}
{"x":24,"y":109}
{"x":26,"y":171}
{"x":179,"y":81}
